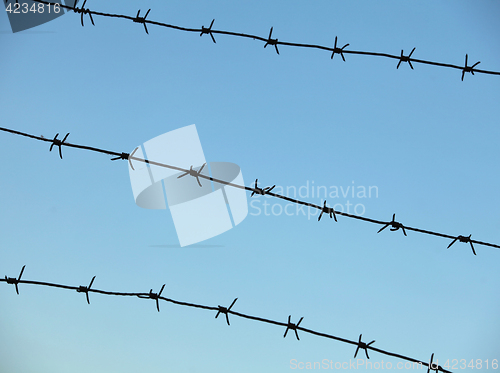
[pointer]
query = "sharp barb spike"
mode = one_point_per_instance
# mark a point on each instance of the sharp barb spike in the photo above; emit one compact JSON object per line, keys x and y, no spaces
{"x":21,"y":273}
{"x":430,"y":363}
{"x":356,"y":353}
{"x":53,"y":142}
{"x":381,"y":229}
{"x":232,"y":304}
{"x":472,"y":247}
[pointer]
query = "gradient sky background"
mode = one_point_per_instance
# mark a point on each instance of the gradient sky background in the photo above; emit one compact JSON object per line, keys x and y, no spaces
{"x":425,"y":139}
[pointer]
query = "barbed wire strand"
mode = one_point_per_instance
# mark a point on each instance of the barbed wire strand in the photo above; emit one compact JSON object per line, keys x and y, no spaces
{"x":226,"y":311}
{"x":270,"y":41}
{"x":256,"y":190}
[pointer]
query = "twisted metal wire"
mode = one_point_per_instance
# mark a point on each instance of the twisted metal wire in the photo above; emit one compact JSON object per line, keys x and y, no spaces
{"x":274,"y":42}
{"x":395,"y":225}
{"x":360,"y":345}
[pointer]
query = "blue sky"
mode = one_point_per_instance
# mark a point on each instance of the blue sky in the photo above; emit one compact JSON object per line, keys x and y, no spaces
{"x":424,"y":138}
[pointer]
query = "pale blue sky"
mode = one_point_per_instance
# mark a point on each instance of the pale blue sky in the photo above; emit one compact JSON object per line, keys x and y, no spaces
{"x":424,"y":138}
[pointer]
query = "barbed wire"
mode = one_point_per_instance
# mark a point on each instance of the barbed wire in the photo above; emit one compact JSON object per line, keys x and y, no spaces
{"x":256,"y":190}
{"x":324,"y":209}
{"x":273,"y":42}
{"x":226,"y":311}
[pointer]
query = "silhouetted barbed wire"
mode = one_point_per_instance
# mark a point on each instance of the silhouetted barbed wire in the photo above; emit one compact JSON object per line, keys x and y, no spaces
{"x":274,"y":42}
{"x":360,"y":345}
{"x":395,"y":225}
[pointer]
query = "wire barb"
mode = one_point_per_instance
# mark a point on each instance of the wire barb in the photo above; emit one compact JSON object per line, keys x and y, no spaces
{"x":142,"y":20}
{"x":464,"y":239}
{"x":205,"y":30}
{"x":85,"y":289}
{"x":83,"y":11}
{"x":433,"y":366}
{"x":468,"y":69}
{"x":130,"y":158}
{"x":404,"y":58}
{"x":58,"y":143}
{"x":15,"y":281}
{"x":261,"y":191}
{"x":394,"y":224}
{"x":193,"y":173}
{"x":338,"y":50}
{"x":327,"y":210}
{"x":270,"y":41}
{"x":121,"y":156}
{"x":363,"y":346}
{"x":154,"y":296}
{"x":225,"y":310}
{"x":292,"y":326}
